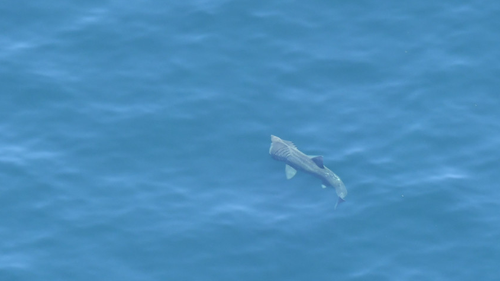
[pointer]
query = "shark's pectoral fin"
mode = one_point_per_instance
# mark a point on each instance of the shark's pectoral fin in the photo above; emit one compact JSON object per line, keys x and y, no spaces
{"x":318,"y":160}
{"x":323,"y":186}
{"x":290,"y":172}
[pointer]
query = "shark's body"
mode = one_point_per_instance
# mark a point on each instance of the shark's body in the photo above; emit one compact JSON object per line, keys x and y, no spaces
{"x":286,"y":151}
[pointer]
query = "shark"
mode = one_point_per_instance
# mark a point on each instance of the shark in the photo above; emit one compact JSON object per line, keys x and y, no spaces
{"x":286,"y":151}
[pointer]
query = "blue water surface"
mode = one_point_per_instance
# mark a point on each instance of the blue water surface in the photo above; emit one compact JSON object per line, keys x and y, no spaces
{"x":134,"y":140}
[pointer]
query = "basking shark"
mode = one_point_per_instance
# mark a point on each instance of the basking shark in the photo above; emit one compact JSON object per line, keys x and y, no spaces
{"x":286,"y":151}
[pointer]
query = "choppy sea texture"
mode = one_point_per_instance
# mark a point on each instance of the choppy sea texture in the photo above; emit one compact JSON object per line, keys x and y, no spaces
{"x":134,"y":140}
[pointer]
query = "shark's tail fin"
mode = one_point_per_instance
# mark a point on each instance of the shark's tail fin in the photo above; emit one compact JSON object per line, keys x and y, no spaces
{"x":338,"y":202}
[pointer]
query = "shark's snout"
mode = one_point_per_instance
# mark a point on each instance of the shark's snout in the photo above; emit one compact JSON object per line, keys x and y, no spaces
{"x":274,"y":138}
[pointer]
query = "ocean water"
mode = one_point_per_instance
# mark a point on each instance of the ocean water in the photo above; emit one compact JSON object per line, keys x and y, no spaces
{"x":134,"y":140}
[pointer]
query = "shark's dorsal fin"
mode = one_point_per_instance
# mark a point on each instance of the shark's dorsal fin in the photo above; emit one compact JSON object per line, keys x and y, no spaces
{"x":290,"y":172}
{"x":319,"y":161}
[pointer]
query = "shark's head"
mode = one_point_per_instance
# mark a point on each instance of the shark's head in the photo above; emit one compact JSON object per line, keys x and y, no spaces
{"x":279,"y":150}
{"x":274,"y":138}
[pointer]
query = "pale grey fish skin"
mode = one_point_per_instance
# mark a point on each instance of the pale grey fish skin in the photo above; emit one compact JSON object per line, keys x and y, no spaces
{"x":286,"y":151}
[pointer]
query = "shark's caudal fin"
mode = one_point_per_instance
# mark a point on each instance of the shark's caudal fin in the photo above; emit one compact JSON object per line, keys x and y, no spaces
{"x":338,"y":202}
